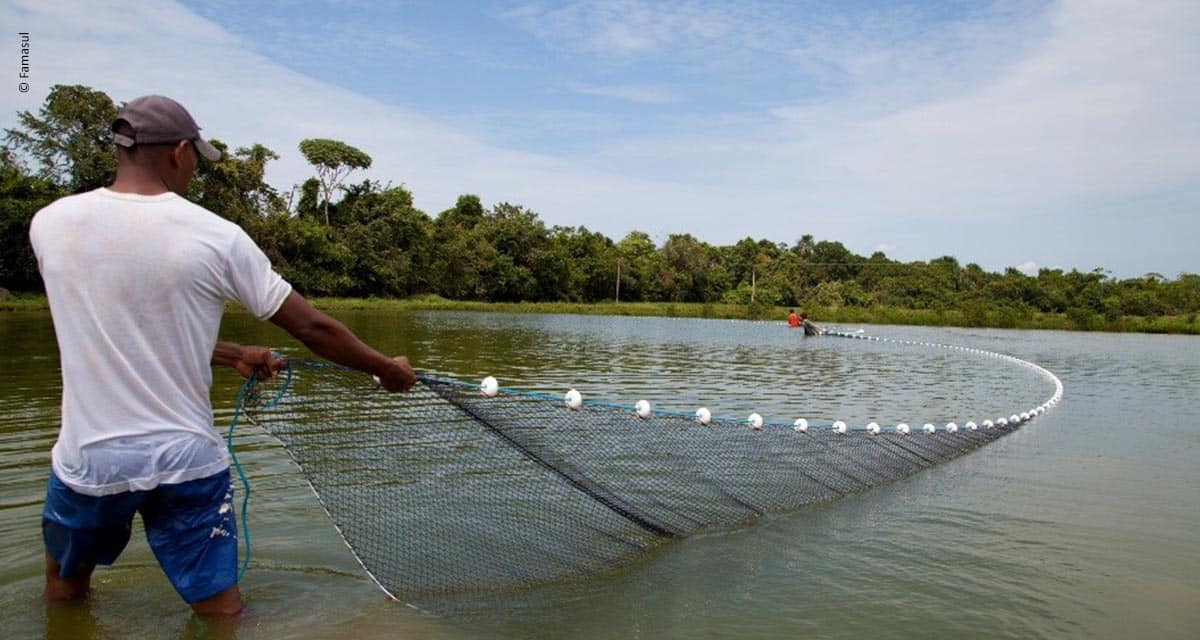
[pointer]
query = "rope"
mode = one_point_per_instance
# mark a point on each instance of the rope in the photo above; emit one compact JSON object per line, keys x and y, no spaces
{"x":832,"y":332}
{"x":248,"y":392}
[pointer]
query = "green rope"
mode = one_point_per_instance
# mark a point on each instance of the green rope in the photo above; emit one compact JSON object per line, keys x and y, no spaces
{"x":247,"y":391}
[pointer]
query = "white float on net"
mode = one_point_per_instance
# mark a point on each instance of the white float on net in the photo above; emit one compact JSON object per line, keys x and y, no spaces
{"x":642,"y":408}
{"x":489,"y":387}
{"x":703,"y":416}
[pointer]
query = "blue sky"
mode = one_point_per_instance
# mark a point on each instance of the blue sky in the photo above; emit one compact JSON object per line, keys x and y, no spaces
{"x":526,"y":74}
{"x":1030,"y":134}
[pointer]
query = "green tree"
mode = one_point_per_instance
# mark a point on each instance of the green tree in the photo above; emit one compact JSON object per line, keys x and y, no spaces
{"x":462,"y":263}
{"x":780,"y":284}
{"x":303,"y":252}
{"x":467,"y":212}
{"x":333,"y":160}
{"x":309,"y":204}
{"x":234,"y":186}
{"x":692,"y":270}
{"x":805,"y":246}
{"x":519,"y":236}
{"x":461,"y":257}
{"x":641,"y":268}
{"x":390,"y":242}
{"x":833,"y":261}
{"x":1182,"y":295}
{"x":1054,"y":290}
{"x":590,"y":259}
{"x":70,"y":140}
{"x":21,"y":195}
{"x":526,"y":268}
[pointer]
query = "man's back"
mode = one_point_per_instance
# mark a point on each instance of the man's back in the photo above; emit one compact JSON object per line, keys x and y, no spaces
{"x":137,"y":285}
{"x":137,"y":280}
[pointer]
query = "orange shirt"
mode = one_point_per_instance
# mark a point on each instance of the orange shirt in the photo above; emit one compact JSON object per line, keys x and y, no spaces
{"x":793,"y":320}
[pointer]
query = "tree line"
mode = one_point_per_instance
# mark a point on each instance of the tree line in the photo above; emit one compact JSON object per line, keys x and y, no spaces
{"x":331,"y":236}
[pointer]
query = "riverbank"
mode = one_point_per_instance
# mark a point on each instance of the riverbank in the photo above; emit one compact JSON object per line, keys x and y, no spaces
{"x":1002,"y":318}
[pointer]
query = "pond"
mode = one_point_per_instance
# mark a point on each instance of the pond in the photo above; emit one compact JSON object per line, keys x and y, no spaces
{"x":1083,"y":523}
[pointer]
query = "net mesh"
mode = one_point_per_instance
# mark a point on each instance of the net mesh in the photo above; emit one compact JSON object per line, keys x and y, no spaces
{"x":443,"y":491}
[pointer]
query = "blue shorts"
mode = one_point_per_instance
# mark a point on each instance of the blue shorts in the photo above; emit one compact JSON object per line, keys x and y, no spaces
{"x":190,"y":527}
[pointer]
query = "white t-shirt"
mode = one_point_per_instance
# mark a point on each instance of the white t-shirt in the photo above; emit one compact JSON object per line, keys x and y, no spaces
{"x":137,"y":286}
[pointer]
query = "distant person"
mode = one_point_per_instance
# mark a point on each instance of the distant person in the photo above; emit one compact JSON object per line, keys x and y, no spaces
{"x":810,"y":328}
{"x":137,"y":279}
{"x":793,"y":319}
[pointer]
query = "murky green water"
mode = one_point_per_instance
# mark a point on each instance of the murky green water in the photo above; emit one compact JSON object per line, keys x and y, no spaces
{"x":1084,"y":523}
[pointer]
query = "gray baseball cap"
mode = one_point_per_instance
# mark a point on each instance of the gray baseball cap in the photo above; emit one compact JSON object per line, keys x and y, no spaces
{"x":159,"y":120}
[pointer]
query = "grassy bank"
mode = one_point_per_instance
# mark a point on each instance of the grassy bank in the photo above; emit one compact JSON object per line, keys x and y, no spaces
{"x":24,"y":302}
{"x":976,"y":317}
{"x":1001,"y":318}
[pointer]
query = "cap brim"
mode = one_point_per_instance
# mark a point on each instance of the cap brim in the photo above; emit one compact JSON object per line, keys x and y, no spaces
{"x":209,"y":152}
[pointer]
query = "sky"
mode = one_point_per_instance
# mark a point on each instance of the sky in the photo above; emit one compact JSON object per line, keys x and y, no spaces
{"x":1027,"y":134}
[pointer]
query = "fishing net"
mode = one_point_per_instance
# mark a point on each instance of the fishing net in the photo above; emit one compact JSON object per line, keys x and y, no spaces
{"x":444,"y":490}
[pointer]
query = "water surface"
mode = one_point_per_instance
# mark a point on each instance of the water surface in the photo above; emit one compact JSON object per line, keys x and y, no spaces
{"x":1083,"y":523}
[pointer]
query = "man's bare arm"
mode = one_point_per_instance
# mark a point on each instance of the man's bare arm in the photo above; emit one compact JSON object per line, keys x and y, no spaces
{"x":331,"y":339}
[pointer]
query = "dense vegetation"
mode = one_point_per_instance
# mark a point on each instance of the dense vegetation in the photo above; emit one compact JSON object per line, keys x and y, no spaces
{"x":331,"y":237}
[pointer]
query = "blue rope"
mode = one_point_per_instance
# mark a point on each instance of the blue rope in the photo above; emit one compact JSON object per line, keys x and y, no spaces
{"x":245,"y":390}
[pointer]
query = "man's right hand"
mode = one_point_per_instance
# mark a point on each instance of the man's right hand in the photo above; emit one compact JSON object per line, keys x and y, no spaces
{"x":398,"y":377}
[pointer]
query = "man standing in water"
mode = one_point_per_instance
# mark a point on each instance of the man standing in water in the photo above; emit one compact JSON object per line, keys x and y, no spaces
{"x":137,"y":279}
{"x":810,"y":328}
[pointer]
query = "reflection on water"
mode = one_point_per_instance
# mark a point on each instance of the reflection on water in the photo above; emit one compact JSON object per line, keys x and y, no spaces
{"x":1081,"y":524}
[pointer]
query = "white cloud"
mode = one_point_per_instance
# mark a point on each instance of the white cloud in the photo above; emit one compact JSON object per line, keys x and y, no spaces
{"x":1063,"y":139}
{"x":1097,"y":111}
{"x":620,"y":29}
{"x":646,"y":94}
{"x":1094,"y":120}
{"x":1029,"y":268}
{"x":241,"y":97}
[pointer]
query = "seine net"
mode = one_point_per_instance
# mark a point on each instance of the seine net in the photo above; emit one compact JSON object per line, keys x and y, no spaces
{"x":443,"y":490}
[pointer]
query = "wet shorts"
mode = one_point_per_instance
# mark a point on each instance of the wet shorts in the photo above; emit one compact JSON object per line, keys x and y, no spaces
{"x":190,"y":527}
